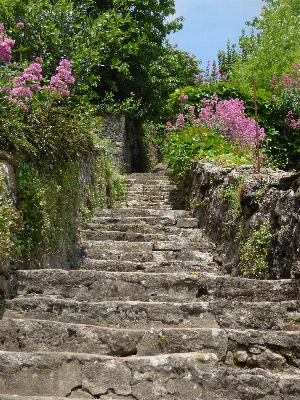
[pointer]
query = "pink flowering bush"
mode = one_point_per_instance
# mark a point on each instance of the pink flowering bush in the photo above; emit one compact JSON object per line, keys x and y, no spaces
{"x":224,"y":117}
{"x":6,"y":45}
{"x":286,"y":102}
{"x":286,"y":92}
{"x":228,"y":117}
{"x":210,"y":76}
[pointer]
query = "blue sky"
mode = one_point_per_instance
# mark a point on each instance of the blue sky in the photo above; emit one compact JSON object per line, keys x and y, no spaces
{"x":210,"y":23}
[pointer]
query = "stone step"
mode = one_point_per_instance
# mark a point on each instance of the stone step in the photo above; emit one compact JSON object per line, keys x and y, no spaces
{"x":158,"y":240}
{"x":168,"y":231}
{"x":142,"y":178}
{"x":251,"y":348}
{"x":228,"y":287}
{"x":17,"y":397}
{"x":179,"y":222}
{"x":84,"y":285}
{"x":133,"y":212}
{"x":264,"y":349}
{"x":151,"y":195}
{"x":135,"y":232}
{"x":102,"y":252}
{"x":177,"y":376}
{"x":151,"y":187}
{"x":223,"y":314}
{"x":32,"y":336}
{"x":154,"y":205}
{"x":145,"y":377}
{"x":205,"y":264}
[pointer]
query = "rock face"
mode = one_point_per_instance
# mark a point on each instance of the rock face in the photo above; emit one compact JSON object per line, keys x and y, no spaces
{"x":236,"y":205}
{"x":148,"y":315}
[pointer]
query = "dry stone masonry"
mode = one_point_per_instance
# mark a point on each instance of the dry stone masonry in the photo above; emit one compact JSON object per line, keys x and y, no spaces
{"x":147,"y":315}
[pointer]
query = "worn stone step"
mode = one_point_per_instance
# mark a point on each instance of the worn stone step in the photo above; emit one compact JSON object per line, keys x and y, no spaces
{"x":149,"y":196}
{"x":168,"y":231}
{"x":90,"y":285}
{"x":102,"y":222}
{"x":33,"y":336}
{"x":225,"y":314}
{"x":17,"y":397}
{"x":135,"y":187}
{"x":105,"y":253}
{"x":183,"y":241}
{"x":143,"y":222}
{"x":119,"y":246}
{"x":178,"y":376}
{"x":144,"y":178}
{"x":264,"y":349}
{"x":205,"y":264}
{"x":154,"y":205}
{"x":136,"y":232}
{"x":273,"y":350}
{"x":145,"y":377}
{"x":229,"y":287}
{"x":159,"y":241}
{"x":133,"y":212}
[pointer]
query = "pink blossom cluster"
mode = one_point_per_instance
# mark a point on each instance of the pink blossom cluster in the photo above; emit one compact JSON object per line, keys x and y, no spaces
{"x":59,"y":82}
{"x":25,"y":85}
{"x":289,"y":89}
{"x":5,"y":45}
{"x":182,"y":99}
{"x":211,"y":75}
{"x":227,"y":117}
{"x":292,"y":122}
{"x":180,"y":123}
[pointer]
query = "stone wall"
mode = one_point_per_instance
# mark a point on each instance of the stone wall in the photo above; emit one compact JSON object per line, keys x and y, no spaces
{"x":60,"y":259}
{"x":114,"y":129}
{"x":229,"y":201}
{"x":7,"y":171}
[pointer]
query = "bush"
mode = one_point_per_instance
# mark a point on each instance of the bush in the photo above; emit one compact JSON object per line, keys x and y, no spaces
{"x":198,"y":143}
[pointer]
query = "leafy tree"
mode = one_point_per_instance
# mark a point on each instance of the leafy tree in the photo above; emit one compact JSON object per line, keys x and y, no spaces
{"x":273,"y":50}
{"x":115,"y":46}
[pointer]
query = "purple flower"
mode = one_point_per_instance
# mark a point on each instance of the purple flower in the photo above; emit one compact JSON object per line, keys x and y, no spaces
{"x":59,"y":82}
{"x":180,"y":122}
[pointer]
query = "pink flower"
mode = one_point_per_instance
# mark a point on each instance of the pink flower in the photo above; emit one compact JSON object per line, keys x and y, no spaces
{"x":180,"y":122}
{"x":170,"y":127}
{"x":20,"y":24}
{"x":5,"y":48}
{"x":59,"y":82}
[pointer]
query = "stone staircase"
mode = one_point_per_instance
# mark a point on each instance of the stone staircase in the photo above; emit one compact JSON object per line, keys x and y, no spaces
{"x":146,"y":316}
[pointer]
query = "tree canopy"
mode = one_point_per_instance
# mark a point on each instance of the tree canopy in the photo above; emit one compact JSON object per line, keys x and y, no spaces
{"x":270,"y":51}
{"x":115,"y":46}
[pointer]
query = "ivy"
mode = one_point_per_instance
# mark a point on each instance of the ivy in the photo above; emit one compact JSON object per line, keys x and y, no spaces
{"x":10,"y":221}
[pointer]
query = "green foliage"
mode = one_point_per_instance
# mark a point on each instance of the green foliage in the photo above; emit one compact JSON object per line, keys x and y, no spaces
{"x":281,"y":144}
{"x":254,"y":252}
{"x":231,"y":196}
{"x":9,"y":226}
{"x":114,"y":46}
{"x":54,"y":200}
{"x":194,"y":143}
{"x":47,"y":136}
{"x":272,"y":51}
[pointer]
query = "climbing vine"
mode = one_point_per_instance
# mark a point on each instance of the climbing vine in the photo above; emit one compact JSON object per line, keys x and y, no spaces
{"x":9,"y":226}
